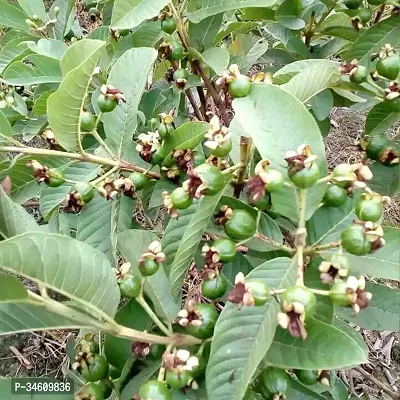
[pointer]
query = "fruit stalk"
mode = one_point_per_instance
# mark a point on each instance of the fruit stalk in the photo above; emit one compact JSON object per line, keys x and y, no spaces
{"x":301,"y":235}
{"x":316,"y":249}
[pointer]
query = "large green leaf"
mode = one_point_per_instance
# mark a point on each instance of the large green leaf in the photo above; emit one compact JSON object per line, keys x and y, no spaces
{"x":14,"y":219}
{"x":128,"y":14}
{"x":326,"y":347}
{"x":132,"y":244}
{"x":50,"y":48}
{"x":386,"y":180}
{"x":242,"y":336}
{"x":14,"y":50}
{"x":234,"y":28}
{"x":32,"y":70}
{"x":278,"y":122}
{"x":385,"y":31}
{"x":65,"y":106}
{"x":200,"y":9}
{"x":11,"y":289}
{"x":217,"y":58}
{"x":13,"y":16}
{"x":202,"y":35}
{"x":33,"y":7}
{"x":66,"y":265}
{"x":383,"y":314}
{"x":313,"y":80}
{"x":190,"y":241}
{"x":118,"y":350}
{"x":6,"y":131}
{"x":379,"y":119}
{"x":287,"y":14}
{"x":121,"y":123}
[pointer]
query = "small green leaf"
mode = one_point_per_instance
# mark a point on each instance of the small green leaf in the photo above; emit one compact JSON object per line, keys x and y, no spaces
{"x":234,"y":28}
{"x":190,"y":241}
{"x":11,"y":289}
{"x":156,"y":286}
{"x":120,"y":124}
{"x":65,"y":106}
{"x":128,"y":14}
{"x":34,"y":7}
{"x":287,"y":14}
{"x":50,"y":48}
{"x":379,"y":119}
{"x":386,"y":180}
{"x":202,"y":35}
{"x":32,"y":70}
{"x":14,"y":219}
{"x":322,"y":105}
{"x":118,"y":350}
{"x":6,"y":131}
{"x":385,"y":31}
{"x":13,"y":16}
{"x":66,"y":265}
{"x":243,"y":335}
{"x":200,"y":9}
{"x":217,"y":58}
{"x":40,"y":106}
{"x":14,"y":50}
{"x":326,"y":347}
{"x":383,"y":314}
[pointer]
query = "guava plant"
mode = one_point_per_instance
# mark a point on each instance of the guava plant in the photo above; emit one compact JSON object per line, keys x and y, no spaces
{"x":205,"y":119}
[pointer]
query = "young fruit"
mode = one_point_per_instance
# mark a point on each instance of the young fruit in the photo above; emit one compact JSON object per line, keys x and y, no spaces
{"x":159,"y":156}
{"x":303,"y":295}
{"x":88,"y":345}
{"x":360,"y":75}
{"x":180,"y":199}
{"x":307,"y":376}
{"x":178,"y":378}
{"x":129,"y":286}
{"x":225,"y":248}
{"x":389,"y":67}
{"x":212,"y":177}
{"x":306,"y":177}
{"x":273,"y":382}
{"x":223,"y":149}
{"x":90,"y":391}
{"x":259,"y":291}
{"x":200,"y":369}
{"x":106,"y":386}
{"x":335,"y":196}
{"x":352,"y":4}
{"x":274,"y":180}
{"x":88,"y":121}
{"x":96,"y":370}
{"x":177,"y":51}
{"x":56,"y":178}
{"x":180,"y":73}
{"x":354,"y":241}
{"x":365,"y":15}
{"x":106,"y":103}
{"x":162,"y":130}
{"x":139,"y":180}
{"x":343,"y":174}
{"x":376,"y":146}
{"x":265,"y":203}
{"x":213,"y":289}
{"x":339,"y":295}
{"x":85,"y":189}
{"x":240,"y":87}
{"x":149,"y":267}
{"x":208,"y":315}
{"x":155,"y":390}
{"x":241,"y":225}
{"x":168,"y":25}
{"x":369,"y":209}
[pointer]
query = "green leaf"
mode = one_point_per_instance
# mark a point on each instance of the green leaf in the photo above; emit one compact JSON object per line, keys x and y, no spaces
{"x":287,"y":14}
{"x":242,"y":336}
{"x":383,"y":314}
{"x":384,"y":263}
{"x":128,"y":14}
{"x":33,"y":7}
{"x":185,"y":137}
{"x":156,"y":286}
{"x":118,"y":350}
{"x":202,"y":35}
{"x":14,"y":50}
{"x":50,"y":48}
{"x":217,"y":58}
{"x":271,"y":117}
{"x":313,"y":80}
{"x":322,"y":105}
{"x":14,"y":219}
{"x":147,"y":35}
{"x":33,"y":69}
{"x":190,"y":241}
{"x":120,"y":124}
{"x":200,"y":9}
{"x":386,"y":180}
{"x":250,"y":13}
{"x":11,"y":289}
{"x":40,"y":106}
{"x":301,"y":392}
{"x":137,"y":381}
{"x":65,"y":17}
{"x":326,"y":347}
{"x":328,"y":222}
{"x":235,"y":28}
{"x":379,"y":119}
{"x":161,"y":186}
{"x":13,"y":16}
{"x":6,"y":131}
{"x":385,"y":31}
{"x":65,"y":106}
{"x":66,"y":265}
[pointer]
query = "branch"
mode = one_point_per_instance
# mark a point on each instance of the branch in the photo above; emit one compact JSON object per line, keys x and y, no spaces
{"x":301,"y":235}
{"x":327,"y":246}
{"x":278,"y":245}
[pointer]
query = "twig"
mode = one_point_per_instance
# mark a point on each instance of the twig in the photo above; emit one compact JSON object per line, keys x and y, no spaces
{"x":278,"y":245}
{"x":103,"y":144}
{"x":23,"y":360}
{"x":380,"y":385}
{"x":301,"y":235}
{"x":195,"y":107}
{"x":104,"y":176}
{"x":203,"y":102}
{"x":327,"y":246}
{"x":233,"y":168}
